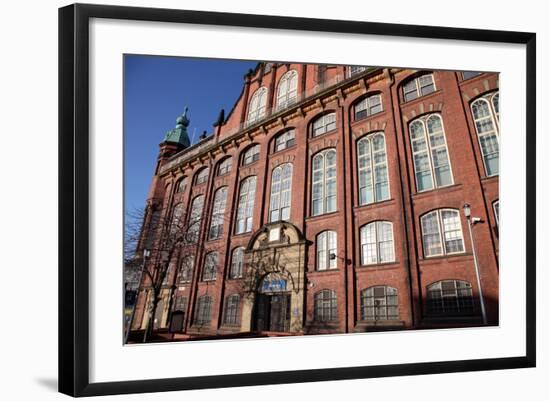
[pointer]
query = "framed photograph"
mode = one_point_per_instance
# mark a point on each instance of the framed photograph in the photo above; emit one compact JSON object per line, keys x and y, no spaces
{"x":260,"y":199}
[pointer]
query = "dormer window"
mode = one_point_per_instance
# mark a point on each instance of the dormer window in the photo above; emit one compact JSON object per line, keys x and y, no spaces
{"x":287,"y":92}
{"x":257,"y":106}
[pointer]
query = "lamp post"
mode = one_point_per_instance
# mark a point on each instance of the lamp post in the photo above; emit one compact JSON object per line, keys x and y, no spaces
{"x":471,"y":222}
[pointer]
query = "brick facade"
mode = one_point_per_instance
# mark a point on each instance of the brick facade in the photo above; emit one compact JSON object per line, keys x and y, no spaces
{"x":323,"y":90}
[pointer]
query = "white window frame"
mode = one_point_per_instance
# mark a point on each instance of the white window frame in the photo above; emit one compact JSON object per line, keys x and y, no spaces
{"x":324,"y":182}
{"x":496,"y":211}
{"x":285,"y":140}
{"x":202,"y":176}
{"x":372,"y":166}
{"x":257,"y":106}
{"x":237,"y":263}
{"x":245,"y":205}
{"x":181,"y":185}
{"x":367,"y":104}
{"x":251,"y":155}
{"x":225,"y":166}
{"x":418,"y":87}
{"x":287,"y":90}
{"x":356,"y":69}
{"x":441,"y":232}
{"x":281,"y":193}
{"x":494,"y":118}
{"x":210,"y":268}
{"x":187,"y":266}
{"x":195,"y":218}
{"x":321,"y":123}
{"x":429,"y":150}
{"x":218,"y":213}
{"x":377,"y":242}
{"x":323,"y":250}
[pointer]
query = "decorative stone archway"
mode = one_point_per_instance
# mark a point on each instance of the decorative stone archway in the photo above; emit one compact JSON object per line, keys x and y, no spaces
{"x":275,"y":261}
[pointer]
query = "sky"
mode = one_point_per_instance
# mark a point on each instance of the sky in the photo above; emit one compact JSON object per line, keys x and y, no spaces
{"x":156,"y":90}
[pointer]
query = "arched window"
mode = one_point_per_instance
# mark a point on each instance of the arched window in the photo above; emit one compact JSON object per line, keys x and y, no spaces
{"x":181,"y":185}
{"x":431,"y":161}
{"x":368,"y":106}
{"x":442,"y":233}
{"x":195,"y":218}
{"x":495,"y":100}
{"x":377,"y":243}
{"x":470,"y":74}
{"x":245,"y":207}
{"x":177,"y":218}
{"x":485,"y":113}
{"x":326,"y":250}
{"x":218,"y":213}
{"x":379,"y":303}
{"x":355,"y":69}
{"x":281,"y":189}
{"x":180,"y":304}
{"x":210,"y":270}
{"x":284,"y":140}
{"x":419,"y":86}
{"x":323,"y":178}
{"x":251,"y":155}
{"x":287,"y":92}
{"x":202,"y":176}
{"x":323,"y":124}
{"x":231,"y":310}
{"x":256,"y":107}
{"x":168,"y":274}
{"x":450,"y":298}
{"x":204,"y":306}
{"x":236,"y":270}
{"x":225,"y":166}
{"x":325,"y":306}
{"x":373,"y":169}
{"x":186,"y":269}
{"x":496,"y":210}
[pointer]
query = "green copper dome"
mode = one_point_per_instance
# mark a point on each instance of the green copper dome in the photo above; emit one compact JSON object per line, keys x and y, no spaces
{"x":179,"y":134}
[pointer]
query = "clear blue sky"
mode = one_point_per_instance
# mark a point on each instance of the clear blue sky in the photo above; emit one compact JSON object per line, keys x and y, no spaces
{"x":156,"y":90}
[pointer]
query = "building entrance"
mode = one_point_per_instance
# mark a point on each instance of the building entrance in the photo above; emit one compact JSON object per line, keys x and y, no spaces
{"x":273,"y":312}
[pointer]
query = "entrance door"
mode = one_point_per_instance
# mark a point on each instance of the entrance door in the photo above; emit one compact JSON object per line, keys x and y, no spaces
{"x":273,"y":312}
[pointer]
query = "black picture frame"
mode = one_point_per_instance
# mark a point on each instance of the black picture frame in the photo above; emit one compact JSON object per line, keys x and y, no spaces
{"x":74,"y":194}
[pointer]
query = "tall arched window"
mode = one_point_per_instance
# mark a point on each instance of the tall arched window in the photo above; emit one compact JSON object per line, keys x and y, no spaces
{"x":256,"y":107}
{"x":287,"y":92}
{"x":326,"y":250}
{"x":431,"y":161}
{"x":281,"y":189}
{"x":496,"y":210}
{"x":230,"y":316}
{"x":202,"y":176}
{"x":373,"y":169}
{"x":379,"y":303}
{"x":210,"y":270}
{"x":284,"y":140}
{"x":450,"y":298}
{"x":195,"y":218}
{"x":203,"y":312}
{"x":419,"y":86}
{"x":225,"y":166}
{"x":218,"y":213}
{"x":324,"y":182}
{"x":177,"y":218}
{"x":442,"y":233}
{"x":368,"y":106}
{"x":186,"y":269}
{"x":237,"y":260}
{"x":181,"y":185}
{"x":325,"y":306}
{"x":251,"y":155}
{"x":245,"y":207}
{"x":485,"y":113}
{"x":323,"y":124}
{"x":377,"y":243}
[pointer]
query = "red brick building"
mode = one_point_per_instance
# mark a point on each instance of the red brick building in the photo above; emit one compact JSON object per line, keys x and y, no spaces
{"x":331,"y":199}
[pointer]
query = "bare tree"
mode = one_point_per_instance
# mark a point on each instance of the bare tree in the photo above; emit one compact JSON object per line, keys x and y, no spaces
{"x":167,"y":238}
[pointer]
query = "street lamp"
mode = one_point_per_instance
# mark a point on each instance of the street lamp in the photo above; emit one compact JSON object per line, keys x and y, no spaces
{"x":471,"y":222}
